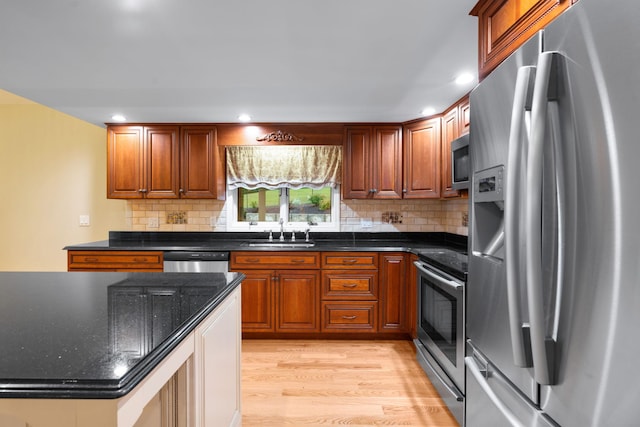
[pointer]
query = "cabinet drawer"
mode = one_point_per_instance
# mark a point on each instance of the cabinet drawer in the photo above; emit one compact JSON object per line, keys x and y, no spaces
{"x":361,"y":260}
{"x":349,"y":284}
{"x":115,"y":261}
{"x":349,"y":316}
{"x":257,"y":260}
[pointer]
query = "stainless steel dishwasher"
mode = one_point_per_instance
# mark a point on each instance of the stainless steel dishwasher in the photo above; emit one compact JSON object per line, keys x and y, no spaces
{"x":196,"y":262}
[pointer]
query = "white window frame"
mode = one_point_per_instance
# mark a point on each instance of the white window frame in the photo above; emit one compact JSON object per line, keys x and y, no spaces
{"x":234,"y":225}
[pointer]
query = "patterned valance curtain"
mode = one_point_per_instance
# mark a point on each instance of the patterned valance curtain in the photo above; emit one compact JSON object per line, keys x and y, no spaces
{"x":274,"y":167}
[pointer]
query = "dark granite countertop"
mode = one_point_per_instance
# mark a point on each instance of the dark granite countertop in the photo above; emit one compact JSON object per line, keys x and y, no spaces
{"x":230,"y":241}
{"x":96,"y":335}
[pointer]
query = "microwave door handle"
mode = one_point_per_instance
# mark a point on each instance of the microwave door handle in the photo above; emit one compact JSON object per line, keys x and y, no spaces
{"x":542,"y":347}
{"x":518,"y":141}
{"x":450,"y":283}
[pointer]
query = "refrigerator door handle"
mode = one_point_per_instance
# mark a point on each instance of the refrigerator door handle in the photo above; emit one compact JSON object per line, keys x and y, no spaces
{"x":519,"y":331}
{"x":542,"y":346}
{"x":475,"y":370}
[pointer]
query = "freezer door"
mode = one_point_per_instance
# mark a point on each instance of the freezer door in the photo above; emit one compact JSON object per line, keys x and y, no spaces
{"x":493,"y":401}
{"x":595,"y":328}
{"x":488,"y":314}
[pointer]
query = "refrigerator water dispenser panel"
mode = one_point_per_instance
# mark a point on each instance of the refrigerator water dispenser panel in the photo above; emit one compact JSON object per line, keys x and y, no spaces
{"x":488,"y":210}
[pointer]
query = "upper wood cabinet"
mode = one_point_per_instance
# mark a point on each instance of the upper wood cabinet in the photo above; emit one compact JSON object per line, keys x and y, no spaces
{"x":455,"y":123}
{"x":162,"y":162}
{"x":505,"y":24}
{"x":200,"y":165}
{"x":373,"y":162}
{"x":422,"y":159}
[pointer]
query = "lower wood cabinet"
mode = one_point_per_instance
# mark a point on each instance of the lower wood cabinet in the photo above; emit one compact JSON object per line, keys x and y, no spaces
{"x":149,"y":261}
{"x":286,"y":299}
{"x":349,"y":316}
{"x":394,"y":310}
{"x":324,"y":292}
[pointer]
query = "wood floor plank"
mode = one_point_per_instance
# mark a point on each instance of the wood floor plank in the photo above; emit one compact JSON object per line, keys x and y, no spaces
{"x":336,"y":382}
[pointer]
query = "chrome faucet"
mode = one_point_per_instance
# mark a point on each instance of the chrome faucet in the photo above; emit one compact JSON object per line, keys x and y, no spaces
{"x":306,"y":235}
{"x":281,"y":229}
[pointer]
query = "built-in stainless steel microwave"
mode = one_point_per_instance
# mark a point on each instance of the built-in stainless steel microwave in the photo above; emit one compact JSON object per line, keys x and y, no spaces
{"x":460,"y":163}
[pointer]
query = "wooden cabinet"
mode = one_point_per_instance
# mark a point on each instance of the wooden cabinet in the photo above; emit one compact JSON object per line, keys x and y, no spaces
{"x":162,"y":162}
{"x":455,"y":122}
{"x":149,"y":261}
{"x":394,"y":310}
{"x":281,"y":292}
{"x":349,"y":292}
{"x":372,"y":162}
{"x":505,"y":24}
{"x":422,"y":157}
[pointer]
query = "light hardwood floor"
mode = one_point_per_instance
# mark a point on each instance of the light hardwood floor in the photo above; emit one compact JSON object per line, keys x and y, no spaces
{"x":320,"y":382}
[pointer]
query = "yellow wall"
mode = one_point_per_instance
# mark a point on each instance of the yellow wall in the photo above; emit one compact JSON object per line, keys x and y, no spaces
{"x":52,"y":170}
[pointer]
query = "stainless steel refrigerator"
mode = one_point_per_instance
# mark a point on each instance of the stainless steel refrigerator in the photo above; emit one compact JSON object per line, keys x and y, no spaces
{"x":553,"y":294}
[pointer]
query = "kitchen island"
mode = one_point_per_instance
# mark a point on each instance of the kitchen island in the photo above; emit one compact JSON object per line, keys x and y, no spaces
{"x":119,"y":349}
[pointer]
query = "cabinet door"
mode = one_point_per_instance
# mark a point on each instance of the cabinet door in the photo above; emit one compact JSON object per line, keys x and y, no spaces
{"x":298,"y":296}
{"x":161,"y":162}
{"x":449,"y":133}
{"x":124,"y":162}
{"x":387,"y":163}
{"x":198,"y":162}
{"x":464,"y":116}
{"x":393,"y":293}
{"x":258,"y":301}
{"x":358,"y":165}
{"x":422,"y":159}
{"x":504,"y":25}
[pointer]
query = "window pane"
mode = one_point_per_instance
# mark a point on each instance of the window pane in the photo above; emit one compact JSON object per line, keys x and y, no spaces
{"x":258,"y":205}
{"x":309,"y":205}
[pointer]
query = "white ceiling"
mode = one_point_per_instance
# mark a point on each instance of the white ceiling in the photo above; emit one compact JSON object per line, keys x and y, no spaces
{"x":210,"y":60}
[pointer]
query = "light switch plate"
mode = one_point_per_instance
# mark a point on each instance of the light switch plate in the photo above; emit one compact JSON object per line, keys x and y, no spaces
{"x":152,"y":222}
{"x":85,"y":221}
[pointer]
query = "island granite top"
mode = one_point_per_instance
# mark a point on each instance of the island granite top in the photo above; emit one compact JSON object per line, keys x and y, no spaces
{"x":96,"y":335}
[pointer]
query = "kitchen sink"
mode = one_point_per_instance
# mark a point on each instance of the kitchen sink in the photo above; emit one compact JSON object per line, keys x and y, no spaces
{"x":266,"y":243}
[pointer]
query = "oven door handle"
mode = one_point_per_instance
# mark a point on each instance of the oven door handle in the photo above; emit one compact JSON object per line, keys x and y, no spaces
{"x":451,"y":283}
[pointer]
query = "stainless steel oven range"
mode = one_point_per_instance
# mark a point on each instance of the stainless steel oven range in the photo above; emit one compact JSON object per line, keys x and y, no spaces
{"x":440,"y":341}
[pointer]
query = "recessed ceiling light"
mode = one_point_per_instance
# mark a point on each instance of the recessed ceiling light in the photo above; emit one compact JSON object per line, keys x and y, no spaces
{"x":118,"y":118}
{"x":428,"y":111}
{"x":244,"y":118}
{"x":464,"y":78}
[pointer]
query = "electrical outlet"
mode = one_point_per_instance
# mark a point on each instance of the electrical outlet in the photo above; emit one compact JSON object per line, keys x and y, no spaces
{"x":85,"y":221}
{"x":152,"y":222}
{"x":366,"y":222}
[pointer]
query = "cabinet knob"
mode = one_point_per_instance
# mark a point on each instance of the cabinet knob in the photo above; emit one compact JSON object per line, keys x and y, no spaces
{"x":142,"y":190}
{"x":374,"y":190}
{"x":181,"y":190}
{"x":404,"y":190}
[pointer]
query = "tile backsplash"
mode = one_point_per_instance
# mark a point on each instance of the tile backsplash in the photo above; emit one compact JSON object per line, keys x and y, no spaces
{"x":355,"y":215}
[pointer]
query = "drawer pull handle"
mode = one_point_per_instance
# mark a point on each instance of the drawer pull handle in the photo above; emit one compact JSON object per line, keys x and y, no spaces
{"x":253,"y":260}
{"x":349,"y":317}
{"x":349,"y":261}
{"x":91,"y":260}
{"x":349,"y":285}
{"x":140,"y":260}
{"x":297,"y":261}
